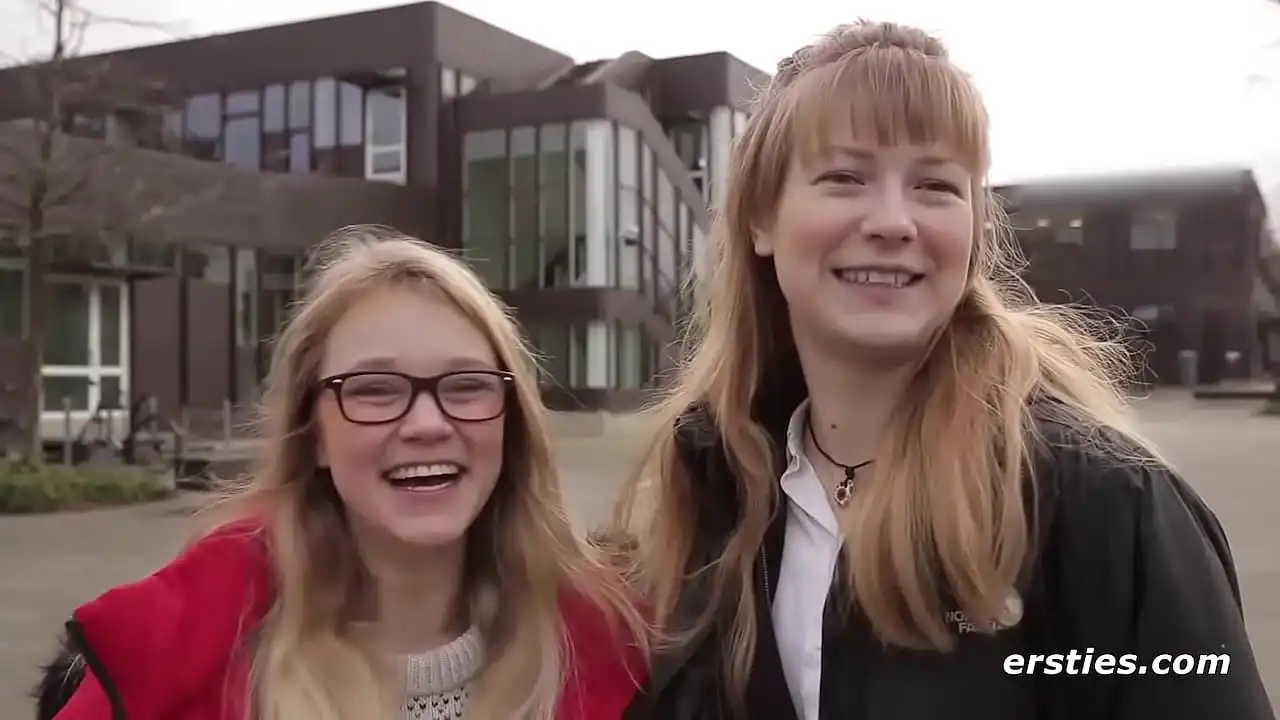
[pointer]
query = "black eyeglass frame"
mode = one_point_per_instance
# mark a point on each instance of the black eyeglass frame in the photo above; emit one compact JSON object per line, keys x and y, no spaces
{"x":417,"y":386}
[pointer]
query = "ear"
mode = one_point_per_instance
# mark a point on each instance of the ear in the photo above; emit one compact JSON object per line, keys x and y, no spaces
{"x":762,"y":243}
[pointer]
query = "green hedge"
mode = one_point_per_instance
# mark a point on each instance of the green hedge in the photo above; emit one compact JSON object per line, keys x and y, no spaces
{"x":54,"y":487}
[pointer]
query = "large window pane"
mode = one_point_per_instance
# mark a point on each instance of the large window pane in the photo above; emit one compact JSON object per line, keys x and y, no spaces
{"x":244,"y":102}
{"x":578,"y":195}
{"x":10,"y":303}
{"x":630,"y":269}
{"x":273,"y":112}
{"x":553,"y":183}
{"x":630,"y":357}
{"x":648,"y":220}
{"x":211,"y":264}
{"x":667,"y":236}
{"x":326,"y":109}
{"x":243,"y":142}
{"x":351,"y":115}
{"x":246,"y":297}
{"x":109,"y":325}
{"x":59,"y":390}
{"x":485,"y":224}
{"x":203,"y":126}
{"x":386,"y":116}
{"x":67,"y":325}
{"x":525,"y":256}
{"x":300,"y":152}
{"x":300,"y":105}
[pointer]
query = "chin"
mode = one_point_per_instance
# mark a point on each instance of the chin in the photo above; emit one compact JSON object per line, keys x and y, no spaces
{"x":886,"y":343}
{"x":435,"y":537}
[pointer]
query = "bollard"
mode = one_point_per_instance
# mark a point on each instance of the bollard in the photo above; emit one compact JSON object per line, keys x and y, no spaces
{"x":226,"y":422}
{"x":67,"y":457}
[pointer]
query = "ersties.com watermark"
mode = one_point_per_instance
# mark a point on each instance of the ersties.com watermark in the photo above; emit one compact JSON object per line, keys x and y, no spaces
{"x":1088,"y":663}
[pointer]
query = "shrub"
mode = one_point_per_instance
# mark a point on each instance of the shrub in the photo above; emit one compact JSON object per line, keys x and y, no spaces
{"x":53,"y":487}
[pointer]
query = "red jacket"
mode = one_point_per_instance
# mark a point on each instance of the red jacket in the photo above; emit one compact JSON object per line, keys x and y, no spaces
{"x":169,"y":647}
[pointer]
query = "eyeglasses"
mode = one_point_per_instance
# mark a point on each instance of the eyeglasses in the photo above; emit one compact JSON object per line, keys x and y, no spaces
{"x":375,"y":398}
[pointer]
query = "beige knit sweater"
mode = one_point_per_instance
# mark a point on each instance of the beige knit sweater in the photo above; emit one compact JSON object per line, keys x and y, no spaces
{"x":436,"y":681}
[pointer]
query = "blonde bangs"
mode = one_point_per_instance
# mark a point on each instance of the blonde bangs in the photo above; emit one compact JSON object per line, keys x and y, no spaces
{"x":890,"y":96}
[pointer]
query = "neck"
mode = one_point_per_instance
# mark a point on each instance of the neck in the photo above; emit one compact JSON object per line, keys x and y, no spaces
{"x":850,"y":405}
{"x":417,"y":598}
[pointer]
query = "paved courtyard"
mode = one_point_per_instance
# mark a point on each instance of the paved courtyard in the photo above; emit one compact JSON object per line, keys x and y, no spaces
{"x":49,"y":564}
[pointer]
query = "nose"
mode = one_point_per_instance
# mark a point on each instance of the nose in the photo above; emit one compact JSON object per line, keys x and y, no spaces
{"x":425,"y":420}
{"x":889,"y":218}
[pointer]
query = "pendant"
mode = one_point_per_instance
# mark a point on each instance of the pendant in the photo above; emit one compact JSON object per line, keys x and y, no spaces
{"x":844,"y":489}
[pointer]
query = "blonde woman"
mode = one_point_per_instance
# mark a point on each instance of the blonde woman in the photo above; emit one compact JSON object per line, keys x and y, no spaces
{"x":889,"y":484}
{"x":402,"y":552}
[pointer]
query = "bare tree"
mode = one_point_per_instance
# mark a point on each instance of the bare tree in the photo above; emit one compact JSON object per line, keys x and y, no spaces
{"x":53,"y":183}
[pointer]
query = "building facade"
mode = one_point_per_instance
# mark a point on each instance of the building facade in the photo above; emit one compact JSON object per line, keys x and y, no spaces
{"x":579,"y":192}
{"x":1186,"y":256}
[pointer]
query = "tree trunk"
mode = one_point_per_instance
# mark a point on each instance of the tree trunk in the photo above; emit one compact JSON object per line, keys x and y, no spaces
{"x":34,"y":314}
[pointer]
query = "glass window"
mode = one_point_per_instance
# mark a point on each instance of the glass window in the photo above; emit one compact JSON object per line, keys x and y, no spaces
{"x":630,"y":356}
{"x":326,"y":113}
{"x":1154,"y":230}
{"x":300,"y":105}
{"x":466,"y":84}
{"x":246,"y":297}
{"x":448,"y":83}
{"x":578,"y":199}
{"x":204,"y":124}
{"x":111,"y":392}
{"x":667,"y":236}
{"x":211,"y":264}
{"x":351,"y":115}
{"x":171,"y":129}
{"x":73,"y":390}
{"x":385,"y":162}
{"x":553,"y":198}
{"x":552,"y":343}
{"x":526,"y":266}
{"x":386,"y":117}
{"x":273,"y":108}
{"x":630,"y":267}
{"x":300,"y":152}
{"x":648,"y":220}
{"x":67,"y":328}
{"x":109,"y":324}
{"x":10,"y":303}
{"x":244,"y":102}
{"x":484,"y":177}
{"x":242,"y":142}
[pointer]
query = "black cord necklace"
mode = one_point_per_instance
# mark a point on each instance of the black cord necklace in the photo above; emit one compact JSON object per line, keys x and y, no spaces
{"x":843,"y":492}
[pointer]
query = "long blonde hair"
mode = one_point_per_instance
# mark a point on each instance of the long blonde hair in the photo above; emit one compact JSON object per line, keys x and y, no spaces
{"x":943,"y":513}
{"x":307,"y":660}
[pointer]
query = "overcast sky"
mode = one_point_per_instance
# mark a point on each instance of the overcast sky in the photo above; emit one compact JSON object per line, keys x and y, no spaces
{"x":1073,"y":87}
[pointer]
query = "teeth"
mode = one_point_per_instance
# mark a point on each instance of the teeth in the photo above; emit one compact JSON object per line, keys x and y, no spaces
{"x":886,"y":278}
{"x":424,"y":471}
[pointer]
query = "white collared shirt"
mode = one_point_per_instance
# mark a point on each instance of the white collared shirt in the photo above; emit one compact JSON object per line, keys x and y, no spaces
{"x":809,"y":556}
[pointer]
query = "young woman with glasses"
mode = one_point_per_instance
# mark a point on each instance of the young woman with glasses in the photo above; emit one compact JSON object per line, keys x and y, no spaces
{"x":890,"y":484}
{"x":401,"y":550}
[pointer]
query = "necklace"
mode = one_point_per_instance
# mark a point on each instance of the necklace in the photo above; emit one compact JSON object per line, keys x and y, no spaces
{"x":844,"y":489}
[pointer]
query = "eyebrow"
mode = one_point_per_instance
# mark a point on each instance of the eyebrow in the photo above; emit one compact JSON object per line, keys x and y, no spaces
{"x":858,"y":153}
{"x":452,"y":364}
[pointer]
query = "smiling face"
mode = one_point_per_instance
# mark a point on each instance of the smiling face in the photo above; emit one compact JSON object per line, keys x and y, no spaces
{"x":422,"y":478}
{"x":871,"y":245}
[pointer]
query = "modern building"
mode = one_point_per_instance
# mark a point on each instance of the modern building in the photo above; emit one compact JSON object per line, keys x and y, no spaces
{"x":578,"y":190}
{"x":1186,"y":254}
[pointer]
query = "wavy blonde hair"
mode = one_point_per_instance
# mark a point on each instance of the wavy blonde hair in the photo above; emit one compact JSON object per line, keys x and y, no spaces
{"x":308,"y":659}
{"x":942,"y":513}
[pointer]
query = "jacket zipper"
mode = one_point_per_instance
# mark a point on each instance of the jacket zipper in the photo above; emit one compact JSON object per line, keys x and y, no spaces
{"x":764,"y":567}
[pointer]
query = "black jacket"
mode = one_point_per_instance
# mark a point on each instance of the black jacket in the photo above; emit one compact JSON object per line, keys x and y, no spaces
{"x":1128,"y":561}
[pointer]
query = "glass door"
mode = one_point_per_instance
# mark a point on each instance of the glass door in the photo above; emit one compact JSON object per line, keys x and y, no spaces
{"x":86,"y":347}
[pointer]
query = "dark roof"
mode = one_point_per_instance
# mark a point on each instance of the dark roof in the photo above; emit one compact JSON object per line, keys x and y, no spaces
{"x":1170,"y":184}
